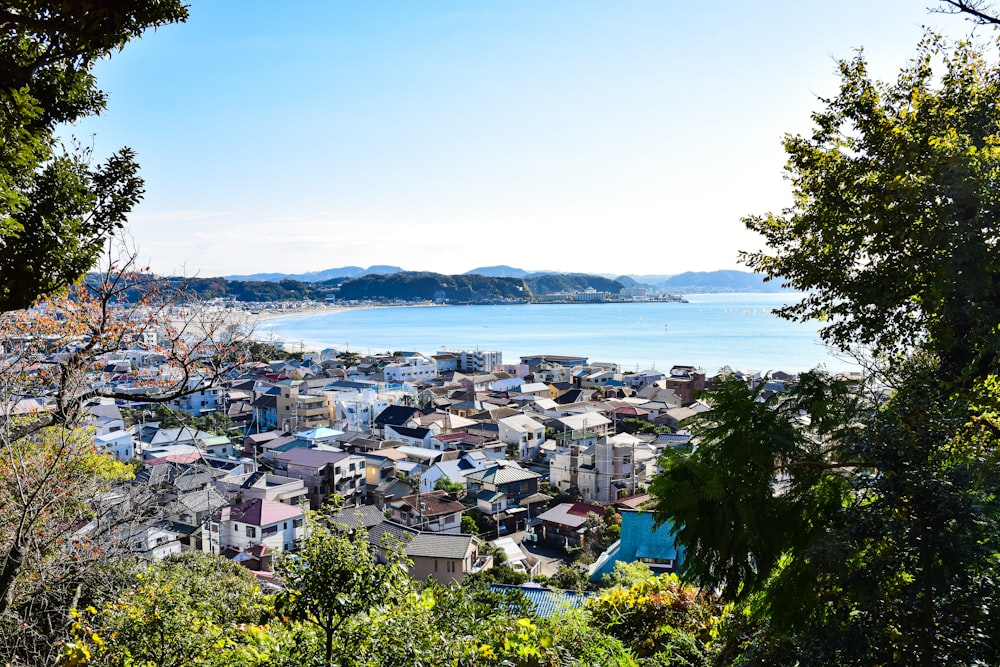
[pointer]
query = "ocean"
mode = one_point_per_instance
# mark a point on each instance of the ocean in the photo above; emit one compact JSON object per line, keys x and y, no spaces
{"x":708,"y":332}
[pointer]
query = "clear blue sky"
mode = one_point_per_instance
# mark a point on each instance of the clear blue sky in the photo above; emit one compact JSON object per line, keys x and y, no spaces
{"x":443,"y":135}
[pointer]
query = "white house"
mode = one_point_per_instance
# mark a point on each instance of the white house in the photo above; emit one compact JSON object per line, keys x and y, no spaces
{"x":256,"y":521}
{"x":522,"y":432}
{"x":118,"y":443}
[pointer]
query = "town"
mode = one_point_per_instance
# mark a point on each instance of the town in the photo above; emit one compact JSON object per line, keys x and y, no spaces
{"x":463,"y":455}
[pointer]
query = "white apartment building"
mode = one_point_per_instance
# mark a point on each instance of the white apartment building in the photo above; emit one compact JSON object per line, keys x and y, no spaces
{"x":417,"y":368}
{"x":476,"y":361}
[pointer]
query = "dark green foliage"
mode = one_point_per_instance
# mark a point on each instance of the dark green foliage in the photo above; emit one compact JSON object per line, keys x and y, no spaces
{"x":853,"y":533}
{"x":424,"y":287}
{"x":570,"y":282}
{"x":58,"y":208}
{"x":247,"y":291}
{"x":721,"y":499}
{"x":894,"y":227}
{"x":634,"y":425}
{"x":861,"y":528}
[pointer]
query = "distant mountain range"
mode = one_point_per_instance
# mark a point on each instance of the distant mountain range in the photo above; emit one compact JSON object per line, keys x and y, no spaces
{"x":319,"y":276}
{"x":689,"y":282}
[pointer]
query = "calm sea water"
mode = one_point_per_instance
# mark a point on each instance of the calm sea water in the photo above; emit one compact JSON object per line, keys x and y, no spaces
{"x":711,"y":331}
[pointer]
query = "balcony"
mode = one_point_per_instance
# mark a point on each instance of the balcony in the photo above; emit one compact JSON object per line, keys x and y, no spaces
{"x":481,"y":563}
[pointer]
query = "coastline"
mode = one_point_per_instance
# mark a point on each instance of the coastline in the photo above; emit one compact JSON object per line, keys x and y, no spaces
{"x":711,"y":331}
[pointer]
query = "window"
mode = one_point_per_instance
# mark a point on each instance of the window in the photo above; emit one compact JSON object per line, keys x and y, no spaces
{"x":251,"y":531}
{"x":435,"y":565}
{"x":451,"y":566}
{"x":297,"y":523}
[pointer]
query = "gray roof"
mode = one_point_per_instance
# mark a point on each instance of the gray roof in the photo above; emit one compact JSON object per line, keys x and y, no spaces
{"x":502,"y":474}
{"x":438,"y":545}
{"x":356,"y":517}
{"x":314,"y":458}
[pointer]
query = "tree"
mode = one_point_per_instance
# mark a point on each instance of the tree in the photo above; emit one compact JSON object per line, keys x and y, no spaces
{"x":893,"y":232}
{"x":57,"y":209}
{"x":858,"y":525}
{"x":190,"y":609}
{"x":657,"y":615}
{"x":68,"y":509}
{"x":334,"y":579}
{"x":50,"y":485}
{"x":977,"y":10}
{"x":850,"y":529}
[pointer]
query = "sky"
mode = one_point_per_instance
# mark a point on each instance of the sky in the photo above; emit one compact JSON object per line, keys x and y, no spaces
{"x":625,"y":137}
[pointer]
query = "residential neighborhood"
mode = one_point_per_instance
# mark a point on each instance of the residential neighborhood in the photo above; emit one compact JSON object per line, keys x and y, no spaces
{"x":458,"y":454}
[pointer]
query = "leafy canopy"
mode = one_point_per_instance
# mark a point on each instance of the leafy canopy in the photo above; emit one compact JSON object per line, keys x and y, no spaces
{"x":57,"y":209}
{"x":893,"y":230}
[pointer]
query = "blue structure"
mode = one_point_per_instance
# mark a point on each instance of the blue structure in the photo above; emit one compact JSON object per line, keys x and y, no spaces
{"x":546,"y":601}
{"x":640,"y":541}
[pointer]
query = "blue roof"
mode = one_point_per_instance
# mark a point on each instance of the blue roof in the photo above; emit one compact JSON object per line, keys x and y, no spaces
{"x":288,"y":446}
{"x":546,"y":601}
{"x":639,"y":539}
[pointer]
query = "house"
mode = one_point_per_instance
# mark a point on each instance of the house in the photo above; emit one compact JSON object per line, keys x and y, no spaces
{"x":522,"y":433}
{"x":454,"y":471}
{"x":394,"y":415}
{"x":254,"y":522}
{"x":434,"y":511}
{"x":118,"y":444}
{"x":415,"y":437}
{"x":505,"y":494}
{"x":685,"y":381}
{"x":445,"y":362}
{"x":157,"y":540}
{"x":674,"y":417}
{"x":641,"y":540}
{"x":298,"y":410}
{"x":598,"y":378}
{"x":602,"y":472}
{"x":325,"y":474}
{"x":565,"y":524}
{"x":517,"y":558}
{"x":538,"y":389}
{"x":203,"y":397}
{"x":533,"y":361}
{"x":445,"y":557}
{"x":274,"y":488}
{"x":416,"y":368}
{"x":643,"y":378}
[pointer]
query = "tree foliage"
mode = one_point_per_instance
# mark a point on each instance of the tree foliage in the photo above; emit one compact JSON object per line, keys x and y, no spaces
{"x":658,"y":615}
{"x":58,"y":208}
{"x":334,"y":582}
{"x":857,"y":525}
{"x":894,"y":227}
{"x":191,"y":609}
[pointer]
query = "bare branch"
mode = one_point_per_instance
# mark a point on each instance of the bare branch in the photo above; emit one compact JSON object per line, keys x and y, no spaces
{"x":977,"y":11}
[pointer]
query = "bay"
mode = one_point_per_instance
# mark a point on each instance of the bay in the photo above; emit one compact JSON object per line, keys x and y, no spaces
{"x":708,"y":332}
